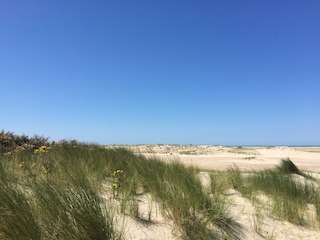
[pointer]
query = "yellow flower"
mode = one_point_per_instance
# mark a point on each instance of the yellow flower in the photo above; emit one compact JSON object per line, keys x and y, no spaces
{"x":22,"y":164}
{"x":116,"y":173}
{"x":42,"y":149}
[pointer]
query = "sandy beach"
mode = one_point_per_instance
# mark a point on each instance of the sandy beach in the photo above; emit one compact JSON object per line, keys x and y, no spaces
{"x":209,"y":158}
{"x":220,"y":157}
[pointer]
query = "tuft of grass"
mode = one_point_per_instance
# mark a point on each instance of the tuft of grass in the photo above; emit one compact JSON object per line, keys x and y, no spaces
{"x":17,"y":219}
{"x":289,"y":195}
{"x":236,"y":179}
{"x":181,"y":195}
{"x":179,"y":192}
{"x":258,"y":219}
{"x":289,"y":189}
{"x":220,"y":181}
{"x":73,"y":213}
{"x":288,"y":167}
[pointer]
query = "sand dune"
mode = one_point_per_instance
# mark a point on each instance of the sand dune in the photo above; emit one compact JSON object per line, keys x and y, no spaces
{"x":220,"y":158}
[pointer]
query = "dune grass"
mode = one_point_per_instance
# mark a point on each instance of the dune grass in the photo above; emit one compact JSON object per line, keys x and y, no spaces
{"x":74,"y":191}
{"x":52,"y":195}
{"x":180,"y":194}
{"x":289,"y":190}
{"x":57,"y":192}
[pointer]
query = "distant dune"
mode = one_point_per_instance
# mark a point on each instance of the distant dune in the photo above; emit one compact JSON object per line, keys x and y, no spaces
{"x":221,"y":157}
{"x":256,"y":224}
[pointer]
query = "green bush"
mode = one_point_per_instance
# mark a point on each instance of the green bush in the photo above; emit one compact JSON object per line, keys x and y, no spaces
{"x":9,"y":141}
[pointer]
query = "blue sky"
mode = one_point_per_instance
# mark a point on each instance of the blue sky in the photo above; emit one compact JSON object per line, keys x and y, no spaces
{"x":147,"y":72}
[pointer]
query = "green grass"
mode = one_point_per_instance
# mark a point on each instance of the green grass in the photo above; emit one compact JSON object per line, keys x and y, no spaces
{"x":74,"y":191}
{"x":57,"y":194}
{"x":289,"y":189}
{"x":183,"y":199}
{"x":17,"y":219}
{"x":180,"y":194}
{"x":54,"y":195}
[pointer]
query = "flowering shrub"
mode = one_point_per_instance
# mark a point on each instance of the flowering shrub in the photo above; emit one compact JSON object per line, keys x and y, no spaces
{"x":23,"y":147}
{"x":42,"y":149}
{"x":117,"y":177}
{"x":10,"y":141}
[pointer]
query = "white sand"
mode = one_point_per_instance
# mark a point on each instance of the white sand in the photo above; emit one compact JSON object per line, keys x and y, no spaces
{"x":219,"y":158}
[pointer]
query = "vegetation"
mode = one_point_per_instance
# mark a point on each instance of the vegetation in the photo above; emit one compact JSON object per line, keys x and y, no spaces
{"x":70,"y":190}
{"x":10,"y":141}
{"x":50,"y":193}
{"x":288,"y":191}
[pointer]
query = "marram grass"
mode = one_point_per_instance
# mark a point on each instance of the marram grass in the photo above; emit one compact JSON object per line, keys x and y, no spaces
{"x":56,"y":193}
{"x":290,"y":190}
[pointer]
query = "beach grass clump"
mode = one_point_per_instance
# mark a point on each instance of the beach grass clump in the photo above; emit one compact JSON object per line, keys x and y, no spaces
{"x":54,"y":193}
{"x":288,"y":167}
{"x":17,"y":218}
{"x":290,"y":191}
{"x":235,"y":176}
{"x":178,"y":191}
{"x":73,"y":213}
{"x":317,"y":205}
{"x":220,"y":182}
{"x":287,"y":186}
{"x":183,"y":199}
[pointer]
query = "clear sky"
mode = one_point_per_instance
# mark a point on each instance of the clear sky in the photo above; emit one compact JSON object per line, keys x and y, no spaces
{"x":146,"y":72}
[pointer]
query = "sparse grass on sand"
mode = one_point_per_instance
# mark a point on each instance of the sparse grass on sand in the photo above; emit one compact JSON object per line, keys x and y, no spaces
{"x":289,"y":190}
{"x":77,"y":191}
